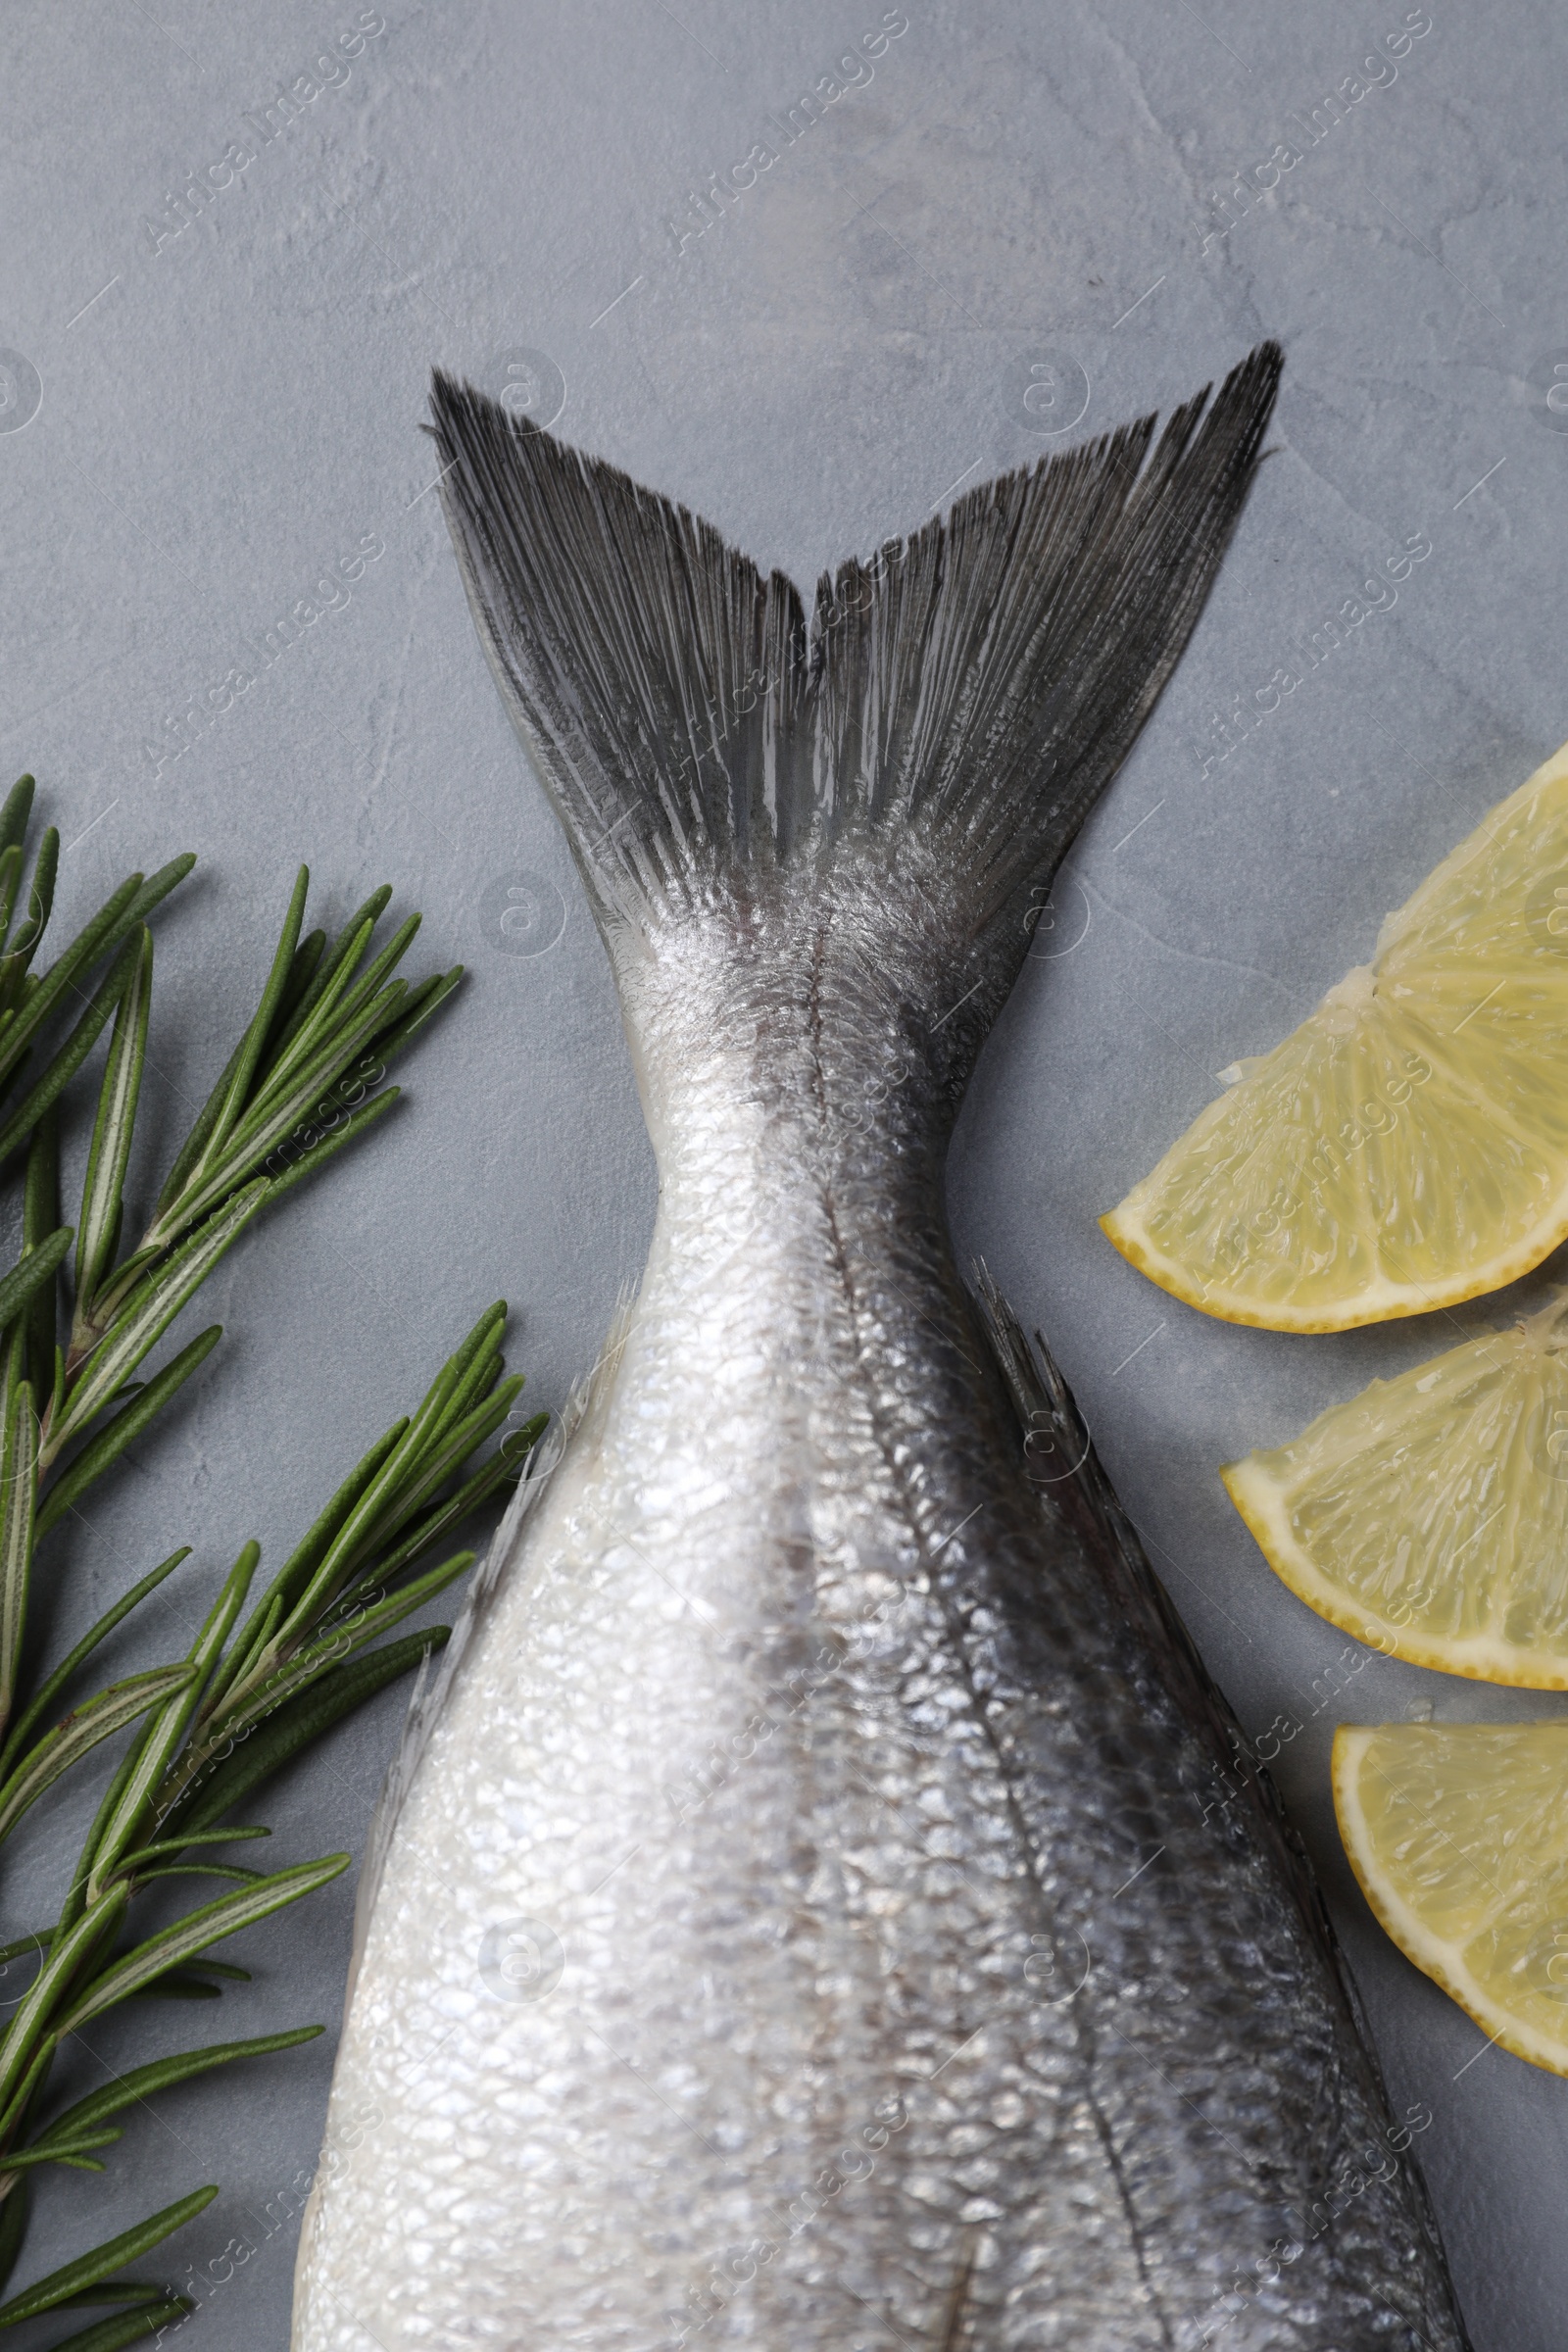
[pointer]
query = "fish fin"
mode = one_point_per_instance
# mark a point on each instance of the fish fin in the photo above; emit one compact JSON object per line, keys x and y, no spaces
{"x":955,"y":2318}
{"x":590,"y":1394}
{"x":1065,"y":1470}
{"x":1063,"y":1467}
{"x":438,"y":1672}
{"x":1067,"y":1474}
{"x":974,"y":686}
{"x":630,"y":645}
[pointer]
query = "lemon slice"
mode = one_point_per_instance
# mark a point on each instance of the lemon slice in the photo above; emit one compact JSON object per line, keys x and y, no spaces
{"x":1429,"y":1515}
{"x":1407,"y":1146}
{"x":1458,"y":1833}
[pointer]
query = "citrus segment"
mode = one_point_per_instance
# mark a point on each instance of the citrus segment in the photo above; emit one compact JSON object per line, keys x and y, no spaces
{"x":1459,"y":1834}
{"x":1429,"y":1515}
{"x":1407,"y":1146}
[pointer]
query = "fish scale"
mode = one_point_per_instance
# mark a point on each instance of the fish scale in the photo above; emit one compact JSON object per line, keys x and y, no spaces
{"x":915,"y":1968}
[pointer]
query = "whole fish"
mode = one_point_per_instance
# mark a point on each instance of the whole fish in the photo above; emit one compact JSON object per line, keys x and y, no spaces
{"x":825,"y":1903}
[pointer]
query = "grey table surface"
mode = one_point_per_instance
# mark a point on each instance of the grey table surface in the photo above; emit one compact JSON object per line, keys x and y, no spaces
{"x":211,"y":403}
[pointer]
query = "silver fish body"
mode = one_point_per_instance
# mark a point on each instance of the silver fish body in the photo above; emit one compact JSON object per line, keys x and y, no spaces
{"x":821,"y":1913}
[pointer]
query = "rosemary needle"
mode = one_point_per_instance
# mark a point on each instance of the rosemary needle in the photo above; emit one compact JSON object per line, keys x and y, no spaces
{"x":264,"y":1679}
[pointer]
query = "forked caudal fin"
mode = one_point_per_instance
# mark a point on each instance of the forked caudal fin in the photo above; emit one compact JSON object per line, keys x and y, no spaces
{"x":953,"y":712}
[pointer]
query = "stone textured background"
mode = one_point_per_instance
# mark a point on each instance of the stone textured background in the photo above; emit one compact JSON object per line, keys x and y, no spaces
{"x":1025,"y":205}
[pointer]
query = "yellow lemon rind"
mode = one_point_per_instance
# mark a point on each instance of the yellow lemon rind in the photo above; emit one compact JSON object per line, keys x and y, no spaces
{"x":1382,"y":1302}
{"x":1483,"y":1658}
{"x":1435,"y":1957}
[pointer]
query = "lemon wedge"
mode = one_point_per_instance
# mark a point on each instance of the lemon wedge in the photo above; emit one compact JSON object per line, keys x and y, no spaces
{"x":1429,"y":1515}
{"x":1407,"y":1146}
{"x":1458,"y":1833}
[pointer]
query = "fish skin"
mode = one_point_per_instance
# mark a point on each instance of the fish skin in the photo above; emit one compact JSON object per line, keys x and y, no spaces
{"x":899,"y":1959}
{"x":934,"y":1830}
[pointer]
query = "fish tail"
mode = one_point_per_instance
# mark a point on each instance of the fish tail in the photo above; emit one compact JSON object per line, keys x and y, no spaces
{"x":933,"y":739}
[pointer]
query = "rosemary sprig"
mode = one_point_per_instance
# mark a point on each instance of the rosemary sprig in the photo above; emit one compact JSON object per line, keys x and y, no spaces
{"x":254,"y":1689}
{"x":27,"y":1002}
{"x":296,"y":1088}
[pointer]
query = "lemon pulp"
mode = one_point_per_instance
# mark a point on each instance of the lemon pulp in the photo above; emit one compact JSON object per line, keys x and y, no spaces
{"x":1407,"y":1146}
{"x":1459,"y":1834}
{"x":1429,"y":1515}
